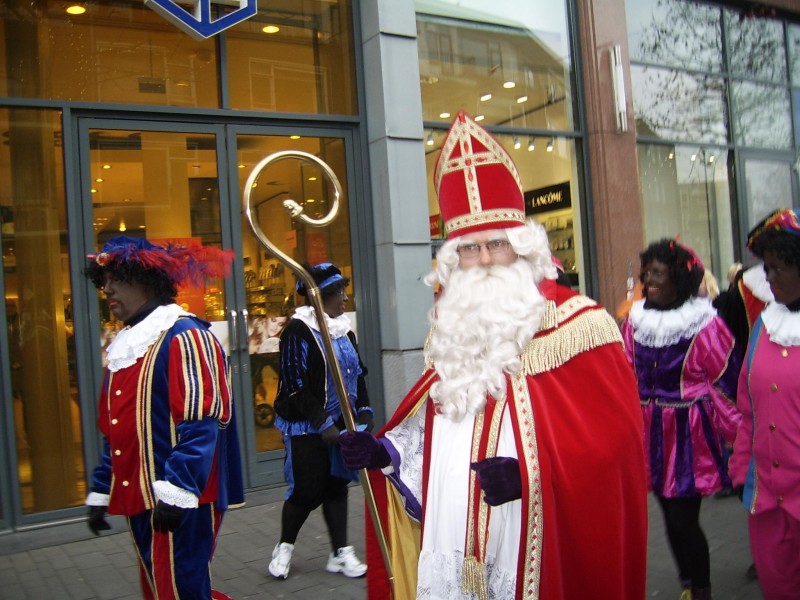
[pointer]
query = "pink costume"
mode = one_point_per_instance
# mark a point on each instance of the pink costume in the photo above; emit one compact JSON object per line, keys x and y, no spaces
{"x":686,"y":373}
{"x":766,"y":455}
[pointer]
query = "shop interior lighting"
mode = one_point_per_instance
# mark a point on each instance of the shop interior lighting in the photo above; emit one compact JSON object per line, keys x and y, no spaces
{"x":517,"y":143}
{"x":444,"y":115}
{"x":486,"y":97}
{"x":479,"y":118}
{"x":522,"y":99}
{"x":509,"y":85}
{"x":270,"y":29}
{"x":693,"y":157}
{"x":711,"y":159}
{"x":429,"y":141}
{"x":531,"y":144}
{"x":76,"y":9}
{"x":550,"y":145}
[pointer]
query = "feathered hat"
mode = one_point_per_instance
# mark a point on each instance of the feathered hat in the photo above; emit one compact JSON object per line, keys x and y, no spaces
{"x":783,"y":219}
{"x":476,"y":181}
{"x":184,"y":264}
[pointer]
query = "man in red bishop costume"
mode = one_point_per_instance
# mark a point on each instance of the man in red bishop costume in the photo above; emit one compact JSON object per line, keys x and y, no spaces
{"x":514,"y":467}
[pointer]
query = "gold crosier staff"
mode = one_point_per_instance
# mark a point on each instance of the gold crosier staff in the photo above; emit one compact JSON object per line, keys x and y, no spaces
{"x":313,"y":292}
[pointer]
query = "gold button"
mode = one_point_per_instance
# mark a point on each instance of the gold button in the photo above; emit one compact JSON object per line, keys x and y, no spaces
{"x":118,"y":392}
{"x":774,"y":387}
{"x":114,"y":421}
{"x":772,"y":427}
{"x":126,"y":483}
{"x":117,"y":452}
{"x":784,"y":352}
{"x":655,"y":364}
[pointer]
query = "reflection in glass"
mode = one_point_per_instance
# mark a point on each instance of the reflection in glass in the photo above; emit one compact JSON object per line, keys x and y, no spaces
{"x":38,"y":304}
{"x":769,"y":187}
{"x":507,"y":64}
{"x":270,"y":286}
{"x":686,"y":194}
{"x":674,"y":105}
{"x":762,"y":115}
{"x":114,"y":52}
{"x":794,"y":54}
{"x":675,"y":33}
{"x":755,"y":48}
{"x":294,"y":57}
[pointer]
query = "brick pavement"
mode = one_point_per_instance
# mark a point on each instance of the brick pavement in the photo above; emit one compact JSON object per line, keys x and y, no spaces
{"x":67,"y":562}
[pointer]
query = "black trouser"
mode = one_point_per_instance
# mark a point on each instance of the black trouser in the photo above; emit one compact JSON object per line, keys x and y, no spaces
{"x":687,"y":540}
{"x":314,"y":486}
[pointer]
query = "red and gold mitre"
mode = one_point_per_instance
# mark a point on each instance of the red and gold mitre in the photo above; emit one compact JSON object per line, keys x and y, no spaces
{"x":476,"y":181}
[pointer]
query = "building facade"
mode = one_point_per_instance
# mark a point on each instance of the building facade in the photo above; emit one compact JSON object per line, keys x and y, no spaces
{"x":629,"y":121}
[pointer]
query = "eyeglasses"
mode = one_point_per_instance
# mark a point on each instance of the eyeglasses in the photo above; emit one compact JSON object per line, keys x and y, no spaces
{"x":474,"y":250}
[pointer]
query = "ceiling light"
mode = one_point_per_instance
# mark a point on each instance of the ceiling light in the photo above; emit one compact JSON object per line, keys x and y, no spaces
{"x":486,"y":97}
{"x":241,"y":166}
{"x":550,"y":145}
{"x":517,"y":143}
{"x":694,"y":157}
{"x":294,"y":137}
{"x":106,"y":167}
{"x":509,"y":85}
{"x":76,"y":9}
{"x":312,"y":178}
{"x":429,"y":141}
{"x":122,"y":226}
{"x":479,"y":118}
{"x":522,"y":99}
{"x":671,"y":155}
{"x":531,"y":144}
{"x":99,"y":180}
{"x":444,"y":115}
{"x":270,"y":29}
{"x":711,"y":159}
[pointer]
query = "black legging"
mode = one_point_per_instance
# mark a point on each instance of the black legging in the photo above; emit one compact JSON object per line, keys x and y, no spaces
{"x":314,"y":485}
{"x":687,"y":540}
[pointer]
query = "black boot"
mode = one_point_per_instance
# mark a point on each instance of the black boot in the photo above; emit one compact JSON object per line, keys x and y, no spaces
{"x":701,"y":593}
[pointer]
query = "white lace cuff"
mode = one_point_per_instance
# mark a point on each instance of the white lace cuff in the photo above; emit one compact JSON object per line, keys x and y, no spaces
{"x":172,"y":494}
{"x":97,"y":499}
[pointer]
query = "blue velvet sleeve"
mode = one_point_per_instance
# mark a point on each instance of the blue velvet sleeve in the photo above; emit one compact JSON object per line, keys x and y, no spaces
{"x":189,"y":464}
{"x":101,"y":475}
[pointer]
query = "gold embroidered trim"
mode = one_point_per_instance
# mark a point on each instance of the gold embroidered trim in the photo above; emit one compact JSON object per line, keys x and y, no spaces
{"x":590,"y":330}
{"x":532,"y":514}
{"x":482,"y":217}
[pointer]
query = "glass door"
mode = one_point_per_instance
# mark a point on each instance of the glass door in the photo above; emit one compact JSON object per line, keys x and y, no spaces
{"x":269,"y":294}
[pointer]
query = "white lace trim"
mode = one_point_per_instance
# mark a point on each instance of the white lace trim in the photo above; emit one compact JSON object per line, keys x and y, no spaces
{"x":337,"y":327}
{"x":131,"y":343}
{"x":97,"y":499}
{"x":172,"y":494}
{"x":782,"y":325}
{"x":755,"y":279}
{"x":439,"y":577}
{"x":408,"y":438}
{"x":661,"y":328}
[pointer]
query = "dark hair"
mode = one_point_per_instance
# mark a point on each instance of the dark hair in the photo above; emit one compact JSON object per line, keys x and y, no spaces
{"x":784,"y":244}
{"x":155,"y":281}
{"x":685,"y":271}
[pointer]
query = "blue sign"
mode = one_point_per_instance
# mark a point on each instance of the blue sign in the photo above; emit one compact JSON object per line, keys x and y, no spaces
{"x":200,"y":25}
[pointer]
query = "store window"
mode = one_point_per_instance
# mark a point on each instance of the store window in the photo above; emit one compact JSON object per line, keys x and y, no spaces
{"x":294,"y":57}
{"x":38,"y":307}
{"x":112,"y":52}
{"x":509,"y":66}
{"x":686,"y":195}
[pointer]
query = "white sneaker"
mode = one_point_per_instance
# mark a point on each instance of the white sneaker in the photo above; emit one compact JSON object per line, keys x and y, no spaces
{"x":346,"y":563}
{"x":281,"y":560}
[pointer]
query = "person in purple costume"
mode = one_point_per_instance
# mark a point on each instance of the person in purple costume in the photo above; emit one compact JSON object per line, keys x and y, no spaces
{"x":686,"y":370}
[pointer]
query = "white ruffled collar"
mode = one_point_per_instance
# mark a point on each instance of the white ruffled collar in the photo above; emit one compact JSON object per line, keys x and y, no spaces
{"x":131,"y":343}
{"x":337,"y":327}
{"x":782,"y":325}
{"x":756,"y":281}
{"x":659,"y":328}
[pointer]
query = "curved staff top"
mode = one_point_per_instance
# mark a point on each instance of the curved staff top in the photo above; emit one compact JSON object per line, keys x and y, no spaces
{"x":313,"y":292}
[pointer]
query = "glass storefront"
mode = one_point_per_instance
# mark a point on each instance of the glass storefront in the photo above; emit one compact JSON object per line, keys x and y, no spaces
{"x":509,"y":66}
{"x":81,"y":169}
{"x":713,"y":100}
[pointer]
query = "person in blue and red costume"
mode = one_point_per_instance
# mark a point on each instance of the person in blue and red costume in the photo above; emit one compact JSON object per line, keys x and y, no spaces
{"x":310,"y":419}
{"x":514,"y":467}
{"x":687,"y":371}
{"x":170,"y":460}
{"x":766,"y":455}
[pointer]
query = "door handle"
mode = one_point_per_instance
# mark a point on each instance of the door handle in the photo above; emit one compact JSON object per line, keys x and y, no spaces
{"x":234,"y":330}
{"x":245,"y":342}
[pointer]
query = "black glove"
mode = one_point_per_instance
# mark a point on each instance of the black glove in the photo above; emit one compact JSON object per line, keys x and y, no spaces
{"x":739,"y":491}
{"x":499,"y":478}
{"x":362,"y":450}
{"x":330,"y":436}
{"x":365,"y":418}
{"x":166,"y":517}
{"x":97,"y":519}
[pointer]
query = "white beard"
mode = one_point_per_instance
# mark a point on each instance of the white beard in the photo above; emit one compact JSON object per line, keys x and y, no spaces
{"x":483,"y":320}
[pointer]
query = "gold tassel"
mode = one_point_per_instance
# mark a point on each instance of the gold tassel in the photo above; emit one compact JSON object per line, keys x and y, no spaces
{"x":473,"y":578}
